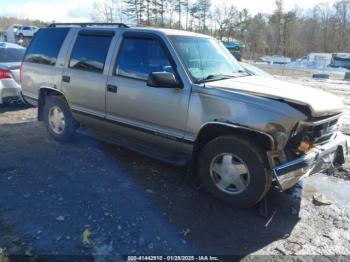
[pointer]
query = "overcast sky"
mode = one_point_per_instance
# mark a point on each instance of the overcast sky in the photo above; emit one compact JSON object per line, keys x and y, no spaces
{"x":80,"y":10}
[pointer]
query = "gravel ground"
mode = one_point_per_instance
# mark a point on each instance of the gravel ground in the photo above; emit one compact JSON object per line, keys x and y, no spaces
{"x":52,"y":196}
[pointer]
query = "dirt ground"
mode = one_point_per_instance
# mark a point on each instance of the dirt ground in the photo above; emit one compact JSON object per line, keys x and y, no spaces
{"x":52,"y":196}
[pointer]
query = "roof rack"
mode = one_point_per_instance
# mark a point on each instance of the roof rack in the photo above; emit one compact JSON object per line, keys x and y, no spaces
{"x":120,"y":25}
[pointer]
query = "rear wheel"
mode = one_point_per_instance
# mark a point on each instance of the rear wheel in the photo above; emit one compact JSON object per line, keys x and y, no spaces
{"x":58,"y":119}
{"x":233,"y":170}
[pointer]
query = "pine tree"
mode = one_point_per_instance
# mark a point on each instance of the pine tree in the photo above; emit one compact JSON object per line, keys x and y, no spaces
{"x":203,"y":8}
{"x":178,"y":8}
{"x":135,"y":10}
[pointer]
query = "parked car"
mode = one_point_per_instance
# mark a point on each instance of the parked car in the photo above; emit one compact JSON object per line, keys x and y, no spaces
{"x":235,"y":49}
{"x":341,"y":60}
{"x":276,"y":59}
{"x":181,"y":97}
{"x":26,"y":31}
{"x":10,"y":33}
{"x":10,"y":60}
{"x":253,"y":70}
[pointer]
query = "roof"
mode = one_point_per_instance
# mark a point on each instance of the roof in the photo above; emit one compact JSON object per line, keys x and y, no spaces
{"x":171,"y":31}
{"x":123,"y":26}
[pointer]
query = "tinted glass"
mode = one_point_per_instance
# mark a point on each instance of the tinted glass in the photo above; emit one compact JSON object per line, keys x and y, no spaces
{"x":46,"y":45}
{"x":139,"y":57}
{"x":90,"y":52}
{"x":8,"y":55}
{"x":26,"y":28}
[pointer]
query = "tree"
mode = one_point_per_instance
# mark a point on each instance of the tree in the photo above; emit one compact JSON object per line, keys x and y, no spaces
{"x":322,"y":15}
{"x":134,"y":9}
{"x":255,"y":36}
{"x":106,"y":11}
{"x":159,"y":10}
{"x":194,"y":16}
{"x":148,"y":12}
{"x":276,"y":26}
{"x":226,"y":19}
{"x":178,"y":8}
{"x":203,"y":11}
{"x":325,"y":28}
{"x":186,"y":5}
{"x":342,"y":17}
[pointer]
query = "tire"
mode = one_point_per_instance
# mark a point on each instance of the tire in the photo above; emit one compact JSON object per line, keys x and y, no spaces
{"x":55,"y":106}
{"x":245,"y":160}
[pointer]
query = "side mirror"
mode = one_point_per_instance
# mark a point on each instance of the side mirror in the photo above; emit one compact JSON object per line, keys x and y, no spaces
{"x":162,"y":80}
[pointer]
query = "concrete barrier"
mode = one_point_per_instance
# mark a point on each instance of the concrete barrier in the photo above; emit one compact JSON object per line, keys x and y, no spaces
{"x":320,"y":76}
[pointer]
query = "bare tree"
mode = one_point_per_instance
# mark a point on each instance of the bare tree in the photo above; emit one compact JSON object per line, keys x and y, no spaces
{"x":134,"y":9}
{"x":106,"y":11}
{"x":203,"y":10}
{"x":179,"y":4}
{"x":325,"y":28}
{"x":225,"y":17}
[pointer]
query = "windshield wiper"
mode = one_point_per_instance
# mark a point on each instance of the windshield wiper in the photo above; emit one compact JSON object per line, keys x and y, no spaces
{"x":215,"y":77}
{"x":243,"y":73}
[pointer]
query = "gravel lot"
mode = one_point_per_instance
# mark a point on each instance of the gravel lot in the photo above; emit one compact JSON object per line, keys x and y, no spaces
{"x":51,"y":193}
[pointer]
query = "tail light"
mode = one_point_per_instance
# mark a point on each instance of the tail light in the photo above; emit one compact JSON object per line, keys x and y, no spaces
{"x":5,"y":74}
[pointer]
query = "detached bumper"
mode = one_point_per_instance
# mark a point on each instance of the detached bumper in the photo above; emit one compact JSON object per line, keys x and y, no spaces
{"x":319,"y":159}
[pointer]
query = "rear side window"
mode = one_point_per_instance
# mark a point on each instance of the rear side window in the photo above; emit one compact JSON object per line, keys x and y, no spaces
{"x":90,"y":52}
{"x":46,"y":45}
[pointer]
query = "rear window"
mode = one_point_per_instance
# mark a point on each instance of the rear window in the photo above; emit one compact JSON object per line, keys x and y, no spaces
{"x":46,"y":45}
{"x":90,"y":52}
{"x":8,"y":55}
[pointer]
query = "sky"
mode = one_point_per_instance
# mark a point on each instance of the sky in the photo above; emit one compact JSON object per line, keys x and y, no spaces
{"x":80,"y":10}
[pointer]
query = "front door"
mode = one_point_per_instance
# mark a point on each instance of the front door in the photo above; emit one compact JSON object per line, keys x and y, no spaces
{"x":154,"y":115}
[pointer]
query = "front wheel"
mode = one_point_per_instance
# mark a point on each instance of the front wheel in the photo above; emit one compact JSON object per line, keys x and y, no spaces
{"x":233,"y":170}
{"x":58,"y":119}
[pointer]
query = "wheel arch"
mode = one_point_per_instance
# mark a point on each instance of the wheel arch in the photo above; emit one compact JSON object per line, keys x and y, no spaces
{"x":43,"y":93}
{"x":211,"y":130}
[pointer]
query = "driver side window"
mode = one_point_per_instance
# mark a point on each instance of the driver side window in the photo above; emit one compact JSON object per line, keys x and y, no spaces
{"x":139,"y":57}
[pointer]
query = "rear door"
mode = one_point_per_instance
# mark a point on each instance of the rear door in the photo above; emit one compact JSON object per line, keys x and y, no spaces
{"x":85,"y":77}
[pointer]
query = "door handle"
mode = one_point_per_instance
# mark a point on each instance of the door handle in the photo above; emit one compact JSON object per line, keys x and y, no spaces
{"x":112,"y":88}
{"x":66,"y":79}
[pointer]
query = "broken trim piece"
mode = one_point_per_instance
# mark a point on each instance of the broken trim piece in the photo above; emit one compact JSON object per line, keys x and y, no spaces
{"x":321,"y":158}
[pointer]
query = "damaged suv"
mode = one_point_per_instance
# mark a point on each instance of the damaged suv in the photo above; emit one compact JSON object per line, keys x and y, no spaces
{"x":181,"y":97}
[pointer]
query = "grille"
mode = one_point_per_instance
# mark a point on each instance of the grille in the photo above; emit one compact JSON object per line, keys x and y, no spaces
{"x":320,"y":132}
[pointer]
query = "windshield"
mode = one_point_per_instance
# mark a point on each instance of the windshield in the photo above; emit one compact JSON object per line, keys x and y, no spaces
{"x":8,"y":55}
{"x":206,"y":59}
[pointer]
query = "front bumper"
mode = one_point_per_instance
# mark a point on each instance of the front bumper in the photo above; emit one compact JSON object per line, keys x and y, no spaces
{"x":319,"y":159}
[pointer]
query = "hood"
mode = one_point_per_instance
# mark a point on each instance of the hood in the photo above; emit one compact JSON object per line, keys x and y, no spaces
{"x":319,"y":102}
